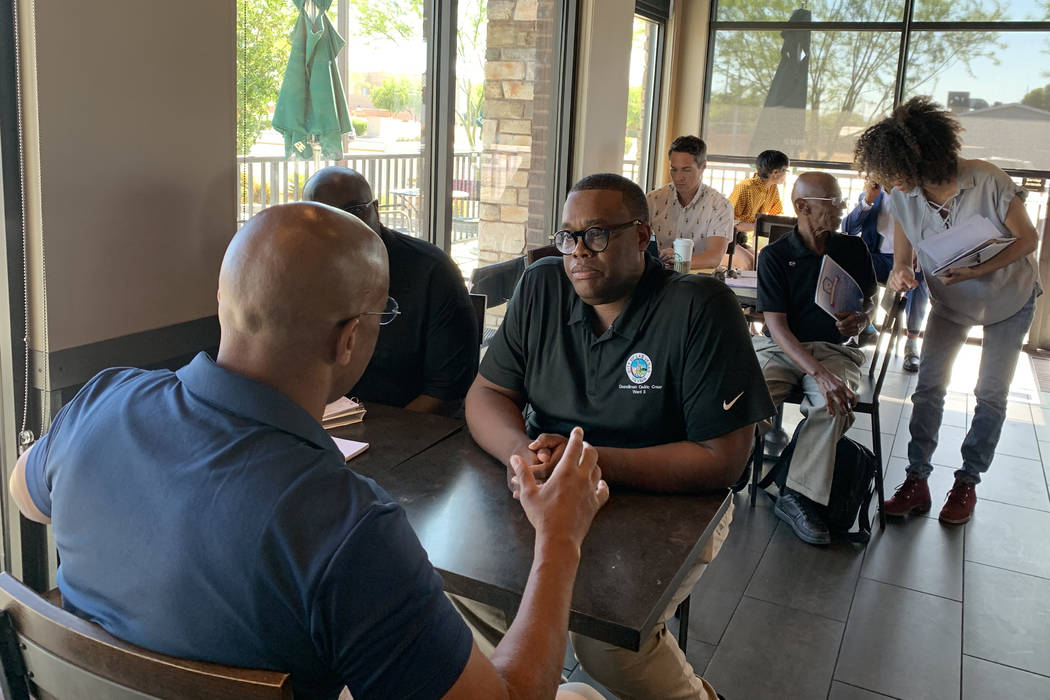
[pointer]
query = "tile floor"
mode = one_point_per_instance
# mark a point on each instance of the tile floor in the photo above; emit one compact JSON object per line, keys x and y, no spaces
{"x":925,"y":610}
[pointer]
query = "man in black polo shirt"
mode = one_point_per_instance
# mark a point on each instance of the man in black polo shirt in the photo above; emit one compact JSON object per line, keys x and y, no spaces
{"x":426,"y":361}
{"x":656,"y":366}
{"x":803,"y":345}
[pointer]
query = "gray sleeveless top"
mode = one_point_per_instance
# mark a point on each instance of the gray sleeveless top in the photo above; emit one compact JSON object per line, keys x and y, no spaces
{"x":984,"y":190}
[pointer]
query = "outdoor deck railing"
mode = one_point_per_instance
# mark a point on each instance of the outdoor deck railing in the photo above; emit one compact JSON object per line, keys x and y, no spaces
{"x":395,"y":180}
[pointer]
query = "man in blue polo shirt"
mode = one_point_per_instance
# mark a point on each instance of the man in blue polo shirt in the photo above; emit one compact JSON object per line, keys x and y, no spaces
{"x":206,"y":514}
{"x":657,"y":367}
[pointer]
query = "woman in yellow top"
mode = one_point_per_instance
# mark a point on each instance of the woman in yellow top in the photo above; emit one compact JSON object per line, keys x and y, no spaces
{"x":754,"y":196}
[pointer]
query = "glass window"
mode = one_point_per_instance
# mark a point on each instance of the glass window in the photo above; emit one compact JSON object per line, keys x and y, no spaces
{"x":642,"y":94}
{"x":819,"y":11}
{"x":989,"y":81}
{"x":384,"y":76}
{"x":505,"y":106}
{"x":980,"y":10}
{"x":806,"y":93}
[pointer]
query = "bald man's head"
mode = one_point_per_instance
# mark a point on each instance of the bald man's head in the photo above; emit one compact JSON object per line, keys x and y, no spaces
{"x":344,"y":189}
{"x":292,"y":278}
{"x":818,"y":202}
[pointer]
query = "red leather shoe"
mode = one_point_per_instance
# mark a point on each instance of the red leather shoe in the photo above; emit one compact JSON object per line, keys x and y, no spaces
{"x":959,"y":505}
{"x":913,"y":496}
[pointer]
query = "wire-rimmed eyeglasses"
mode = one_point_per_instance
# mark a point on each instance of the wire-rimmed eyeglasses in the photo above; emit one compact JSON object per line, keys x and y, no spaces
{"x":835,"y":201}
{"x":595,"y":238}
{"x":358,"y":209}
{"x":388,"y":314}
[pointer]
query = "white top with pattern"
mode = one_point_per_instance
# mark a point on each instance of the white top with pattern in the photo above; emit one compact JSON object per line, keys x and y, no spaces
{"x":708,"y":214}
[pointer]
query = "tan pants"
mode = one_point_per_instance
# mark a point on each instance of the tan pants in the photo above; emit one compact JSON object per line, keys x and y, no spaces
{"x":813,"y":463}
{"x":658,"y":669}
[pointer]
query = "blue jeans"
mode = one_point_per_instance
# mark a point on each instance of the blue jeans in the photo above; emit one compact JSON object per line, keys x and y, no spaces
{"x":999,"y":352}
{"x":915,"y":305}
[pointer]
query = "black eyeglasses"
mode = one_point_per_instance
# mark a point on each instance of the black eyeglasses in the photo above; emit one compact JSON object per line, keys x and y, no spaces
{"x":595,"y":238}
{"x":388,"y":314}
{"x":357,"y":209}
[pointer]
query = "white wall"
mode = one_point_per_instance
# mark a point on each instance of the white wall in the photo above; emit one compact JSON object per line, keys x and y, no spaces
{"x":603,"y":62}
{"x":131,"y":155}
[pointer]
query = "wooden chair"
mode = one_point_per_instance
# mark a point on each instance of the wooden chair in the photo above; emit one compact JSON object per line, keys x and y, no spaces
{"x":545,"y":251}
{"x":867,"y":402}
{"x":48,"y":653}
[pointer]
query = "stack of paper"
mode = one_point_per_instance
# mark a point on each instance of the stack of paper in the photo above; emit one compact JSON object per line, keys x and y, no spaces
{"x":350,"y":448}
{"x":964,"y":245}
{"x":837,"y":292}
{"x":341,"y":412}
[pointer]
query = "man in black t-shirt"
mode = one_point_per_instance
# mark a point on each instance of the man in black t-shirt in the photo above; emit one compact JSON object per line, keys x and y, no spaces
{"x":658,"y":369}
{"x":426,"y":361}
{"x":803,"y":344}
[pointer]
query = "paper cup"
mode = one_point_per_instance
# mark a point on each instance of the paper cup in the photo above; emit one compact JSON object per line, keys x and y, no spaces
{"x":683,"y":249}
{"x":681,"y":266}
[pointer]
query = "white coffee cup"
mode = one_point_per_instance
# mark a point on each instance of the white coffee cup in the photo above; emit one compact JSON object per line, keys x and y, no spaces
{"x":683,"y":249}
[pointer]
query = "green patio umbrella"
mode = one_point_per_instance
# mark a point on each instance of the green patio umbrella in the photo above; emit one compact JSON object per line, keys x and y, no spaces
{"x":311,"y":108}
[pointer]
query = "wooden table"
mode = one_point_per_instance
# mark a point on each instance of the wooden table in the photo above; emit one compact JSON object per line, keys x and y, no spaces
{"x":639,"y":549}
{"x":394,"y":435}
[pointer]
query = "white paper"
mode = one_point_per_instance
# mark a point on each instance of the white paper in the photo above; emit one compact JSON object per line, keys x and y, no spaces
{"x":837,"y":292}
{"x":966,"y":244}
{"x":339,"y":407}
{"x":350,"y":448}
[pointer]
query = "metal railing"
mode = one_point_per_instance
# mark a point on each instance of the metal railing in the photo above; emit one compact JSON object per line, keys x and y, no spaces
{"x":395,"y":179}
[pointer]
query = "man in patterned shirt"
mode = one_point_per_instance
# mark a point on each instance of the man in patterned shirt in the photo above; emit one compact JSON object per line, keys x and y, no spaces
{"x":687,"y":208}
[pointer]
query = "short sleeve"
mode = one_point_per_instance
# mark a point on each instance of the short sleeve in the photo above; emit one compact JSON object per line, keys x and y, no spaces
{"x":776,"y":207}
{"x":41,"y":471}
{"x":1005,"y":191}
{"x":381,"y":616}
{"x":722,"y":387}
{"x":504,"y":363}
{"x":722,"y":219}
{"x":452,"y":342}
{"x":738,"y":200}
{"x":772,"y":283}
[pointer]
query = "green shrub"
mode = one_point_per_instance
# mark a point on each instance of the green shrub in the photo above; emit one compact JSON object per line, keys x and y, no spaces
{"x":360,"y":126}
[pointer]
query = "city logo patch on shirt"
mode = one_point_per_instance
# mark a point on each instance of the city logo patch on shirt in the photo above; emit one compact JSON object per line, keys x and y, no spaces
{"x":639,"y":368}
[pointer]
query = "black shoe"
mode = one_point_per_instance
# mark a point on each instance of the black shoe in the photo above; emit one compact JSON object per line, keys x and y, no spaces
{"x":797,"y":511}
{"x":777,"y":439}
{"x":868,"y":336}
{"x":911,"y":361}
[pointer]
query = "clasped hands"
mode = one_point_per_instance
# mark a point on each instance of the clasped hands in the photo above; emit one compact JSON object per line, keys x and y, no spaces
{"x":539,"y":457}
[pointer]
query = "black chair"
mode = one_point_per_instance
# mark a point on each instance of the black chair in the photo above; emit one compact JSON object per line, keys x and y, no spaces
{"x":478,"y":301}
{"x":867,"y":402}
{"x":772,"y":228}
{"x":46,"y":652}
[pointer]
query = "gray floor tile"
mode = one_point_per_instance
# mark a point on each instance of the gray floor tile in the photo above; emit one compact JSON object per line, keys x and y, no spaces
{"x":1006,"y":618}
{"x":770,"y":651}
{"x":570,"y":658}
{"x":915,"y":638}
{"x":841,"y":691}
{"x":863,"y":436}
{"x":949,"y":441}
{"x":751,"y":527}
{"x":719,"y":590}
{"x":1044,"y":453}
{"x":1018,"y":439}
{"x":920,"y":554}
{"x":818,"y":580}
{"x":1009,"y":537}
{"x":1020,"y":412}
{"x":1017,"y":481}
{"x":983,"y":679}
{"x":889,"y":416}
{"x":699,"y":655}
{"x":1041,"y":420}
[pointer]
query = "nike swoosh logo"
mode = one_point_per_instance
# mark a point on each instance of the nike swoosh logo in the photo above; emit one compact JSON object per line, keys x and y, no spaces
{"x":726,"y":405}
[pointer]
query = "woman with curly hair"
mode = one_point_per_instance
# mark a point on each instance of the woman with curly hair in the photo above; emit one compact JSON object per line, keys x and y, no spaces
{"x":916,"y":149}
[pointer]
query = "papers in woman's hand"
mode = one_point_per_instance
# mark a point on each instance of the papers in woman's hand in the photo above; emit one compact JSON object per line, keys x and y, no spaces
{"x":837,"y":292}
{"x":964,"y":245}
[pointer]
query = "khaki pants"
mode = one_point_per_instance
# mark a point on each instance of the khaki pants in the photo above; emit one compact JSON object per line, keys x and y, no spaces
{"x":658,"y":669}
{"x":813,"y":463}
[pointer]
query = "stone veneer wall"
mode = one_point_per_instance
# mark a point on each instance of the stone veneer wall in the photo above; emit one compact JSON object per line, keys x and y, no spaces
{"x":518,"y":57}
